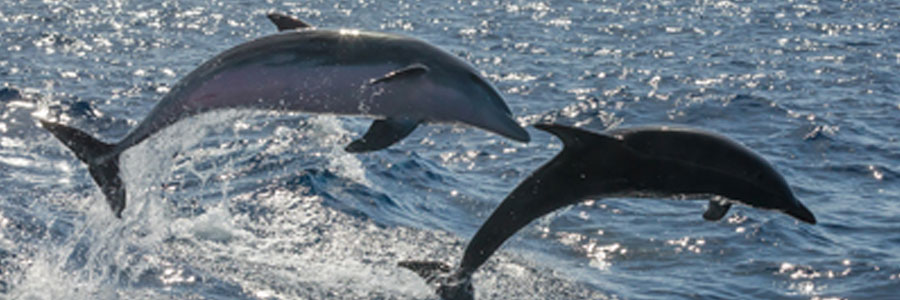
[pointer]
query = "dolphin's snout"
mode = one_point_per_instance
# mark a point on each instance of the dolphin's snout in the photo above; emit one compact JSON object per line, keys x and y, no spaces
{"x":498,"y":122}
{"x":505,"y":124}
{"x":518,"y":133}
{"x":801,"y":213}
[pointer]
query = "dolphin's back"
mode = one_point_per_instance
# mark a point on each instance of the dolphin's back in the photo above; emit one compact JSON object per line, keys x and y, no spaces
{"x":701,"y":150}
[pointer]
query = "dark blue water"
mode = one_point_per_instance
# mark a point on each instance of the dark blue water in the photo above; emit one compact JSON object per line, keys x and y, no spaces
{"x":267,"y":205}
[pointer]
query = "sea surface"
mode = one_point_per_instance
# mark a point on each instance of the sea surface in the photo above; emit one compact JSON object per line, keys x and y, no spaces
{"x":267,"y":205}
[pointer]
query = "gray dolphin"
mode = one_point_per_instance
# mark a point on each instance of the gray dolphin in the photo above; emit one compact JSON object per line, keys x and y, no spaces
{"x":399,"y":80}
{"x":636,"y":162}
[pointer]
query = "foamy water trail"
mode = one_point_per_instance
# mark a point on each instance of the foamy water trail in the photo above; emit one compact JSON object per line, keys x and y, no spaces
{"x":287,"y":245}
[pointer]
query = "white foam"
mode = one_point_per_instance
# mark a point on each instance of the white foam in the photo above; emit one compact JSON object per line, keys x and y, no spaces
{"x":214,"y":225}
{"x":288,"y":246}
{"x":330,"y":132}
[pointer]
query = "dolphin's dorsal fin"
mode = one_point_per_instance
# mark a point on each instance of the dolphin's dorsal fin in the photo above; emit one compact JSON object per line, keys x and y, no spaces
{"x":382,"y":134}
{"x":415,"y":69}
{"x":576,"y":138}
{"x":285,"y":22}
{"x":716,"y":210}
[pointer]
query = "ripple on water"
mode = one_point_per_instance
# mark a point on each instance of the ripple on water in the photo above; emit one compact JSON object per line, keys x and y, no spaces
{"x":269,"y":206}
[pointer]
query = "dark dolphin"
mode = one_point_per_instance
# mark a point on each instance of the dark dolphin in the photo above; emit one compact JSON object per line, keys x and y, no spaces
{"x":638,"y":162}
{"x":399,"y":80}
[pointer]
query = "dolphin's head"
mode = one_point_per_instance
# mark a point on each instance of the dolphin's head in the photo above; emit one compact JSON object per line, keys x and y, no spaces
{"x":774,"y":193}
{"x":484,"y":107}
{"x":766,"y":188}
{"x":444,"y":87}
{"x":689,"y":161}
{"x":761,"y":188}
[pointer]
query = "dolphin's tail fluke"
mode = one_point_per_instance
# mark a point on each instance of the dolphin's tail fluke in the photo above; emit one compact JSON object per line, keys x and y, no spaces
{"x":103,"y":165}
{"x":449,"y":287}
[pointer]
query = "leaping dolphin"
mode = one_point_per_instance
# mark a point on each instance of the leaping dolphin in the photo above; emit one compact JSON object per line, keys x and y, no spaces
{"x":637,"y":162}
{"x":399,"y":80}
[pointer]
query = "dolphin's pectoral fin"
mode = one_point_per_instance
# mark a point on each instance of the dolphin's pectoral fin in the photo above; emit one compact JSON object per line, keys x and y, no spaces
{"x":285,"y":22}
{"x":406,"y":72}
{"x":382,"y":134}
{"x":716,"y":210}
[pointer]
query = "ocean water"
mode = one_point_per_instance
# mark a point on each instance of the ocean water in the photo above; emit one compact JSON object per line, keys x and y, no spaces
{"x":267,"y":205}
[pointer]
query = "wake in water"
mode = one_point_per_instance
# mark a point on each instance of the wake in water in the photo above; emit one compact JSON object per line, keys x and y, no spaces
{"x":247,"y":242}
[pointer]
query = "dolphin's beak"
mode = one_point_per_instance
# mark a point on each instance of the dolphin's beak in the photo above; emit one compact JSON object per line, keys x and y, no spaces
{"x":518,"y":133}
{"x":507,"y":126}
{"x":801,"y":213}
